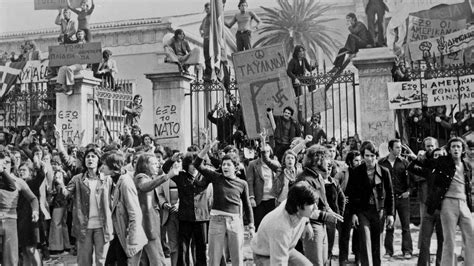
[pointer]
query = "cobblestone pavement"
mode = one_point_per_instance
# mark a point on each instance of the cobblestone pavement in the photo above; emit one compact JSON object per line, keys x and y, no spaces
{"x":397,"y":259}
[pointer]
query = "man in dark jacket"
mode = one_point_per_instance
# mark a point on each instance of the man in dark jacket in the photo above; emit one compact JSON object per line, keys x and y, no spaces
{"x":225,"y":125}
{"x":359,"y":37}
{"x":398,"y":166}
{"x":285,"y":128}
{"x":422,"y":166}
{"x":451,"y":194}
{"x":371,"y":194}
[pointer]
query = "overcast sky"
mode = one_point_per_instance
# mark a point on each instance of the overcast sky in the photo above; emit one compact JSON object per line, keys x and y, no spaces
{"x":19,"y":15}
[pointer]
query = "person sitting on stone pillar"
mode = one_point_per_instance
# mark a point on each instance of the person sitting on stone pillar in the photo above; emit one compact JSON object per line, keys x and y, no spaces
{"x":359,"y":37}
{"x":68,"y":27}
{"x":178,"y":51}
{"x":66,"y":73}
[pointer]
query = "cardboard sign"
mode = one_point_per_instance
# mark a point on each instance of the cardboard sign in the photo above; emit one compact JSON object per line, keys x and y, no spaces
{"x":436,"y":92}
{"x":425,"y":28}
{"x":55,"y":4}
{"x":442,"y":45}
{"x":263,"y":83}
{"x":70,"y":54}
{"x":404,"y":95}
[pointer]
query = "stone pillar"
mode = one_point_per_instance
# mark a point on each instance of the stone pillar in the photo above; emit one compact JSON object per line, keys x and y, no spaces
{"x":75,"y":113}
{"x":377,"y":121}
{"x":171,"y":107}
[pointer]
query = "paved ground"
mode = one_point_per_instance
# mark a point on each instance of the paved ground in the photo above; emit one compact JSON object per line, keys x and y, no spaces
{"x":69,"y":260}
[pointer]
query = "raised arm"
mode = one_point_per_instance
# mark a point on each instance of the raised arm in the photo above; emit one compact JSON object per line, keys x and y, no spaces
{"x":71,"y":8}
{"x":91,"y":9}
{"x":68,"y":161}
{"x":146,"y":184}
{"x":274,"y":165}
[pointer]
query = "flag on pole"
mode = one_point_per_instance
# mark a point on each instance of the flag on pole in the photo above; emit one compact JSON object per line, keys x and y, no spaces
{"x":217,"y":46}
{"x":9,"y":73}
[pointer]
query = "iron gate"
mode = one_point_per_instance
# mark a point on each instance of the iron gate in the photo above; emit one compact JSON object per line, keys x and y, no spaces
{"x":334,"y":98}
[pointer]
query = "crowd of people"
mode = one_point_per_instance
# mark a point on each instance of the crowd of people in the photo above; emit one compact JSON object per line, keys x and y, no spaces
{"x":135,"y":202}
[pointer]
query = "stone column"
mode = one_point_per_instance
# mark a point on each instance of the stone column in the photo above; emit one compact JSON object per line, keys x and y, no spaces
{"x":171,"y":107}
{"x":377,"y":121}
{"x":75,"y":113}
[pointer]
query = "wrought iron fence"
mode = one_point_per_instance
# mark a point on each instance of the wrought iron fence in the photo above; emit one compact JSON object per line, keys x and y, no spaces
{"x":332,"y":97}
{"x":443,"y":121}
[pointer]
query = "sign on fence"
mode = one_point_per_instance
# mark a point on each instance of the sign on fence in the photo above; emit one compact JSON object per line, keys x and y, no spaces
{"x":55,"y":4}
{"x":70,"y":54}
{"x":263,"y":84}
{"x":425,"y":28}
{"x":439,"y":91}
{"x":442,"y":45}
{"x":34,"y":71}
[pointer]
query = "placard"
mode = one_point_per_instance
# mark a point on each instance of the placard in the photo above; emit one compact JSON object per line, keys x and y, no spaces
{"x":442,"y":45}
{"x":34,"y":71}
{"x":79,"y":53}
{"x":263,"y":83}
{"x":55,"y":4}
{"x":425,"y":28}
{"x":436,"y":92}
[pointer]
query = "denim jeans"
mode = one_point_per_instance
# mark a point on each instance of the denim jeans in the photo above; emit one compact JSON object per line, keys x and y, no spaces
{"x":116,"y":255}
{"x":226,"y":231}
{"x":195,"y":232}
{"x":243,"y":40}
{"x":316,"y":248}
{"x":8,"y":233}
{"x":455,"y":212}
{"x":295,"y":259}
{"x":172,"y":229}
{"x":402,"y":207}
{"x":428,"y":224}
{"x":93,"y":242}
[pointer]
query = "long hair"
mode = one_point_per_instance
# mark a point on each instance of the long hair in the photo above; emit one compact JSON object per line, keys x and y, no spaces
{"x":143,"y":164}
{"x":297,"y":50}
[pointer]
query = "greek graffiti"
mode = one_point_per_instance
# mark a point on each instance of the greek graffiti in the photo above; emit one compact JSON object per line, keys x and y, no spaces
{"x":167,"y":124}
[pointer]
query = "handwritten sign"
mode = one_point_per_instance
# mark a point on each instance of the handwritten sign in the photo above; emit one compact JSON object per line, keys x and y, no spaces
{"x":55,"y":4}
{"x":70,"y":54}
{"x":404,"y":95}
{"x":167,"y":123}
{"x":263,"y":84}
{"x":436,"y":92}
{"x":68,"y":122}
{"x":425,"y":28}
{"x":442,"y":45}
{"x":34,"y":71}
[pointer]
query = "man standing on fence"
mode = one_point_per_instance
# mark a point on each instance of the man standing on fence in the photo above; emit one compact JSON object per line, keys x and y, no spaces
{"x":244,"y":21}
{"x":285,"y":128}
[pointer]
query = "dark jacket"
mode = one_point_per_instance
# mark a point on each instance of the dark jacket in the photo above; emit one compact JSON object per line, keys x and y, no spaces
{"x":443,"y":174}
{"x":295,"y":69}
{"x":398,"y":173}
{"x":295,"y":130}
{"x":224,"y":127}
{"x":193,"y":203}
{"x":361,"y":33}
{"x":316,"y":181}
{"x":359,"y":187}
{"x":335,"y":196}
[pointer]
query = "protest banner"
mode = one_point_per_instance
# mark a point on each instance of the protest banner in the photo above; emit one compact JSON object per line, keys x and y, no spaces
{"x":263,"y":83}
{"x":55,"y":4}
{"x":436,"y":92}
{"x":70,"y":54}
{"x":404,"y":95}
{"x":442,"y":45}
{"x":34,"y":71}
{"x":425,"y":28}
